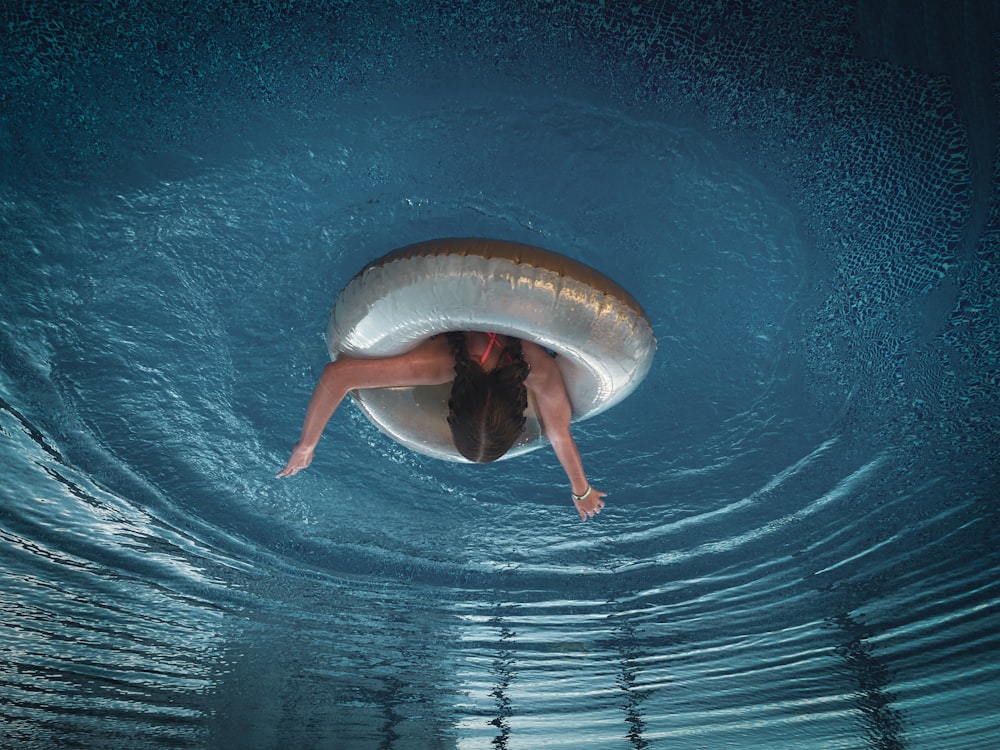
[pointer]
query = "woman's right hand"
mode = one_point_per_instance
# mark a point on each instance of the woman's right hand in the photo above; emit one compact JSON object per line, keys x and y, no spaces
{"x":301,"y":457}
{"x":591,"y":505}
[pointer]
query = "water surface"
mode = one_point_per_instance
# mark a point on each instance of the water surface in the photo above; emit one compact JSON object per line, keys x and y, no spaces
{"x":799,"y":544}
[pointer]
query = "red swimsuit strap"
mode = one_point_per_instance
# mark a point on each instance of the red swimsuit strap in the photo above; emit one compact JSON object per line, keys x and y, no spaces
{"x":505,"y":357}
{"x":489,"y":348}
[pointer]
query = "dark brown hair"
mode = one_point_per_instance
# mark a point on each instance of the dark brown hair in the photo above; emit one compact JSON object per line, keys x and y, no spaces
{"x":486,"y":409}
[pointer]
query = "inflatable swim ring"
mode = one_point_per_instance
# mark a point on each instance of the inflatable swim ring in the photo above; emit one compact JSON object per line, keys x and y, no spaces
{"x":603,"y":342}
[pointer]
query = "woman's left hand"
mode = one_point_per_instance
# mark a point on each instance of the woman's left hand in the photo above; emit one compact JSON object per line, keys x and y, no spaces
{"x":301,"y":458}
{"x":591,"y":505}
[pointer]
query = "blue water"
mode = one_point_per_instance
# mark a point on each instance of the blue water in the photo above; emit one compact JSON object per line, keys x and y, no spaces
{"x":800,"y":544}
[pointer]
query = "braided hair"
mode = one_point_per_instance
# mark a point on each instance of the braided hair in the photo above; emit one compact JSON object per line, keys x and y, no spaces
{"x":486,"y":409}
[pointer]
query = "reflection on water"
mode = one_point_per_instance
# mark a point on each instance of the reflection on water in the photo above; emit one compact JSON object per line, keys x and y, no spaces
{"x":883,"y":723}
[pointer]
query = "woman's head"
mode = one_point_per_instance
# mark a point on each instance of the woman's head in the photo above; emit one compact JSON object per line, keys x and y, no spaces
{"x":486,"y":409}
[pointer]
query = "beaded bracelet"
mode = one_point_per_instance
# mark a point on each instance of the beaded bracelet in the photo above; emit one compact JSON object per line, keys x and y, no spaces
{"x":584,"y":495}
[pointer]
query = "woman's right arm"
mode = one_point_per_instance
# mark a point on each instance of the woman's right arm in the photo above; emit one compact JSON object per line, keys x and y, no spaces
{"x":546,"y":383}
{"x":428,"y":364}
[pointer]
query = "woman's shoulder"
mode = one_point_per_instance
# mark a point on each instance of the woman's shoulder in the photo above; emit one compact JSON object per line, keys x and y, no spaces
{"x":536,"y":351}
{"x":432,"y":359}
{"x":437,"y":348}
{"x":541,"y":363}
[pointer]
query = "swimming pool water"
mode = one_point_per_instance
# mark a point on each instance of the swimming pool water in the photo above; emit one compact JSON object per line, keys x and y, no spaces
{"x":799,"y":547}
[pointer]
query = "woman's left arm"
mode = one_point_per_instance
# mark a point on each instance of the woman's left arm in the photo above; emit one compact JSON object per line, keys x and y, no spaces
{"x":546,"y":383}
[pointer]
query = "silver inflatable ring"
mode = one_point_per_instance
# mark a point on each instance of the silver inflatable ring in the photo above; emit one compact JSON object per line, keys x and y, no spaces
{"x":602,"y":339}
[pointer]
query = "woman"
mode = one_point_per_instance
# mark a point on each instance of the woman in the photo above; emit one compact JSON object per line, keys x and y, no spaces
{"x":490,"y":377}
